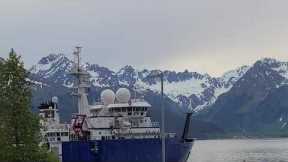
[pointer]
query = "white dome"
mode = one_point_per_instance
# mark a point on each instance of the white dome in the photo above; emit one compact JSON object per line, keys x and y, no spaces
{"x":107,"y":97}
{"x":123,"y":95}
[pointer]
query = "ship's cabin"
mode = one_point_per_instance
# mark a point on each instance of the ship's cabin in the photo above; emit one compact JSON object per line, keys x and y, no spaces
{"x":119,"y":104}
{"x":48,"y":110}
{"x":118,"y":116}
{"x":130,"y":110}
{"x":57,"y":135}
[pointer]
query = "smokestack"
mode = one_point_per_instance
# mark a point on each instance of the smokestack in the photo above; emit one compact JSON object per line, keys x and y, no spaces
{"x":187,"y":126}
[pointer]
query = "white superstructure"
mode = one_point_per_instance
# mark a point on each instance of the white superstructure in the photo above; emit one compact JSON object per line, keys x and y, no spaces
{"x":53,"y":132}
{"x":123,"y":118}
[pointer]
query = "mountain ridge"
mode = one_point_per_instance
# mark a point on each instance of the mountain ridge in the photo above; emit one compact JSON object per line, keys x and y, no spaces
{"x":181,"y":87}
{"x":232,"y":102}
{"x":256,"y":102}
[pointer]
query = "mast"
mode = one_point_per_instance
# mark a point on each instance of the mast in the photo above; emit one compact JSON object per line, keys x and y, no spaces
{"x":162,"y":119}
{"x":81,"y":83}
{"x":160,"y":75}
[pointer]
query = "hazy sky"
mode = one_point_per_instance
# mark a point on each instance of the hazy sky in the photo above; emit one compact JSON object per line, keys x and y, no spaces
{"x":199,"y":35}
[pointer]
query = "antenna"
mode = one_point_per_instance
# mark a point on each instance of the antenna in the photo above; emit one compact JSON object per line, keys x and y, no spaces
{"x":77,"y":58}
{"x":160,"y":75}
{"x":81,"y":82}
{"x":163,"y":119}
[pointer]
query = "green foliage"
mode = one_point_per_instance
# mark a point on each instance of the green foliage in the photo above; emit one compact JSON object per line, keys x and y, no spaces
{"x":51,"y":157}
{"x":19,"y":127}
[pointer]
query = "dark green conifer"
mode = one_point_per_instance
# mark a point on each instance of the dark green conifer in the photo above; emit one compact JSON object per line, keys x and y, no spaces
{"x":19,"y":127}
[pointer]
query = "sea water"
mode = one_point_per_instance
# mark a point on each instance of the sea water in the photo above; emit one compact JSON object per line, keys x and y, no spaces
{"x":240,"y":150}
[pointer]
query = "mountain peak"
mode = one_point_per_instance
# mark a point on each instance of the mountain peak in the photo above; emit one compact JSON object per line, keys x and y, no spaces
{"x":51,"y":63}
{"x":267,"y":61}
{"x":126,"y":69}
{"x":280,"y":67}
{"x":50,"y":58}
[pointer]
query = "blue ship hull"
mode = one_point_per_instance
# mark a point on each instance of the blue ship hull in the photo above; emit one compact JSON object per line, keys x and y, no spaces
{"x":125,"y":150}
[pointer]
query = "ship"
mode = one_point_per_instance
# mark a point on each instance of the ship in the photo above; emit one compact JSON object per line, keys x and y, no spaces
{"x":117,"y":128}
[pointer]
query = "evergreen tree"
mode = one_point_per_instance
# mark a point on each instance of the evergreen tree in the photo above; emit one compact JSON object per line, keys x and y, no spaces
{"x":19,"y":127}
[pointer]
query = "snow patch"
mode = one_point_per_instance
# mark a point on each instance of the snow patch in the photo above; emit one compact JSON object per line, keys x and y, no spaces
{"x":174,"y":89}
{"x":35,"y":82}
{"x":282,"y":69}
{"x":234,"y":75}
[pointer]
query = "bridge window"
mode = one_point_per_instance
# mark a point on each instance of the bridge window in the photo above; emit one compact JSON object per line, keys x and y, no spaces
{"x":64,"y":134}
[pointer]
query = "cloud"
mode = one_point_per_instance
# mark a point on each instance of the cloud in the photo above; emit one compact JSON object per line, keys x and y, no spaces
{"x":208,"y":36}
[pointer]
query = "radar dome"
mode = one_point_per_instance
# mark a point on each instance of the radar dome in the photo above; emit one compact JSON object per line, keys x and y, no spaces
{"x":107,"y":97}
{"x":123,"y":95}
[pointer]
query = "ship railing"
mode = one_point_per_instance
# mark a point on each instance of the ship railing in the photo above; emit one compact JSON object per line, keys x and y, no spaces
{"x":137,"y":100}
{"x":155,"y":124}
{"x":56,"y":130}
{"x":127,"y":136}
{"x":120,"y":135}
{"x":132,"y":100}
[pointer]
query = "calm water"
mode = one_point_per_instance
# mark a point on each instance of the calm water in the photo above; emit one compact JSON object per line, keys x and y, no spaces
{"x":268,"y":150}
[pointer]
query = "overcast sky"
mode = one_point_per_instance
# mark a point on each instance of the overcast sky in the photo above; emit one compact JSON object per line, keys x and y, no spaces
{"x":210,"y":36}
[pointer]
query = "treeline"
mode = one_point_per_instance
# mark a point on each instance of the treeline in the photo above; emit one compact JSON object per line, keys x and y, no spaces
{"x":19,"y":127}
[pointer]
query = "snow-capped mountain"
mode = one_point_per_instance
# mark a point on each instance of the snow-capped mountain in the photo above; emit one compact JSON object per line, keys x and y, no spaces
{"x":278,"y":66}
{"x":54,"y":68}
{"x":249,"y":98}
{"x":50,"y":77}
{"x":185,"y":88}
{"x":257,"y":101}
